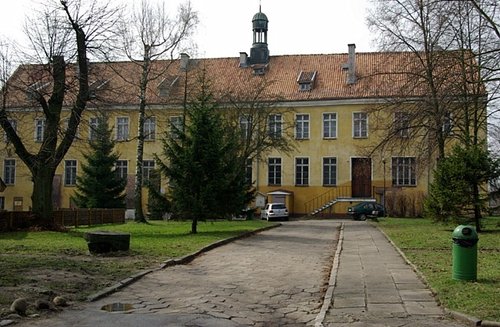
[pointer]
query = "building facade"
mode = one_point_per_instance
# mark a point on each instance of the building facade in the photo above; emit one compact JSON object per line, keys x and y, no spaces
{"x":324,"y":99}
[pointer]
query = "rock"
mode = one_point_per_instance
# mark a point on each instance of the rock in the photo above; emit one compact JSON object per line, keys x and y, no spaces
{"x":13,"y":316}
{"x":6,"y":322}
{"x":60,"y":301}
{"x":19,"y":306}
{"x":42,"y":305}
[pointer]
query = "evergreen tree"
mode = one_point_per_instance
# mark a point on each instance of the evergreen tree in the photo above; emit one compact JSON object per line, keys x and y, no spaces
{"x":203,"y":164}
{"x":458,"y":189}
{"x":99,"y":186}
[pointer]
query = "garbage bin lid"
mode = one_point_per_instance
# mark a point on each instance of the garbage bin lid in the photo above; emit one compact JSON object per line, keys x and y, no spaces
{"x":464,"y":232}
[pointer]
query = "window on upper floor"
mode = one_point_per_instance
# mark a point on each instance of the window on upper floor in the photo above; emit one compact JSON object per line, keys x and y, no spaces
{"x":176,"y":126}
{"x":329,"y":171}
{"x":70,"y":172}
{"x":274,"y":171}
{"x":401,"y":124}
{"x":13,"y":123}
{"x":9,"y":171}
{"x":150,"y":128}
{"x":93,"y":125}
{"x":404,"y":171}
{"x":302,"y":171}
{"x":302,"y":126}
{"x":122,"y":128}
{"x":245,"y":126}
{"x":360,"y":125}
{"x":275,"y":125}
{"x":248,"y":172}
{"x":329,"y":125}
{"x":39,"y":129}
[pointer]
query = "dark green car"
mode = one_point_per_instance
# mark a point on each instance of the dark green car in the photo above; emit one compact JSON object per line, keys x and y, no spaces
{"x":364,"y":210}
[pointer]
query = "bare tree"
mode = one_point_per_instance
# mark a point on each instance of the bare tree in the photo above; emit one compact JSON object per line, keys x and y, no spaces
{"x":150,"y":35}
{"x":63,"y":29}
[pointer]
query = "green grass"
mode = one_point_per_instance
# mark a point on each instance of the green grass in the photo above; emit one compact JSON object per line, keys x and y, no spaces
{"x":428,"y":245}
{"x":36,"y":264}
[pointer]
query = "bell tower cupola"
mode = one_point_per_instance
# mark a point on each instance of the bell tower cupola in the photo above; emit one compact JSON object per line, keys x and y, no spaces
{"x":259,"y":53}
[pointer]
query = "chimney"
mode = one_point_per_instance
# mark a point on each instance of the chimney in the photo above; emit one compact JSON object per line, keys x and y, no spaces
{"x":350,"y":66}
{"x":243,"y":59}
{"x":184,"y":62}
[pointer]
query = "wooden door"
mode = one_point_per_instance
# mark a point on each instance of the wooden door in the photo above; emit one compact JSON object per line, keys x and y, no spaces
{"x":361,"y":182}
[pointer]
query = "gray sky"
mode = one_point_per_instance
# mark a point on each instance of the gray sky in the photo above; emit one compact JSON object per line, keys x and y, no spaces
{"x":225,"y":28}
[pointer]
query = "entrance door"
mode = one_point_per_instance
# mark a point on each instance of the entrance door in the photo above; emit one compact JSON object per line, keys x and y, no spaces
{"x":361,"y":177}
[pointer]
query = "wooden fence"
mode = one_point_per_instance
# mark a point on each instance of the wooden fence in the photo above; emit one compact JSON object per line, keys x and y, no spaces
{"x":11,"y":220}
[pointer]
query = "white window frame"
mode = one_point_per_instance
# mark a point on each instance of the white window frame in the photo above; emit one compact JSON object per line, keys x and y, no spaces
{"x":122,"y":128}
{"x":176,"y":126}
{"x":275,"y":175}
{"x":331,"y":178}
{"x":245,"y":126}
{"x":13,"y":123}
{"x":302,"y":174}
{"x":329,"y":125}
{"x":404,"y":171}
{"x":302,"y":126}
{"x":93,"y":124}
{"x":402,"y":123}
{"x":249,"y":171}
{"x":39,"y":129}
{"x":150,"y":128}
{"x":147,"y":167}
{"x":70,"y":172}
{"x":121,"y":168}
{"x":9,"y":171}
{"x":275,"y":125}
{"x":359,"y":125}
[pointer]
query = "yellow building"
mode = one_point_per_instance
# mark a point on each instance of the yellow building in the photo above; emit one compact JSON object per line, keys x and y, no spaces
{"x":326,"y":98}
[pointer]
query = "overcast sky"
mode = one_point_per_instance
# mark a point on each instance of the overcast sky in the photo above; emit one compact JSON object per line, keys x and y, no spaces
{"x":225,"y":28}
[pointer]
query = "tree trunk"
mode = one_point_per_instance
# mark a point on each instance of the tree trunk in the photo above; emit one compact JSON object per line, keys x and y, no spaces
{"x":194,"y":226}
{"x":42,"y":196}
{"x":477,"y":207}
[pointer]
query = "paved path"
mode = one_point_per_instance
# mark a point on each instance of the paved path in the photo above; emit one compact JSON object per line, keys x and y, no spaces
{"x":375,"y":287}
{"x":273,"y":278}
{"x":276,"y":278}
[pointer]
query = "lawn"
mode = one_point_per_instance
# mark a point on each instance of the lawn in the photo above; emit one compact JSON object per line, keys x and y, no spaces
{"x":44,"y":264}
{"x":428,"y":245}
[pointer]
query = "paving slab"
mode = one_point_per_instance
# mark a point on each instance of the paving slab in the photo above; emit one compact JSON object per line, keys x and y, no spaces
{"x":391,"y":292}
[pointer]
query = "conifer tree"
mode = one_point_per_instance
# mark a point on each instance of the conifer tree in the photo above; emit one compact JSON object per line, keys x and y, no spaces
{"x":99,"y":186}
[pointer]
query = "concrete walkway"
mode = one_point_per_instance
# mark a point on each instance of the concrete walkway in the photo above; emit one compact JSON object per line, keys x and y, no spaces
{"x":375,"y":287}
{"x":275,"y":278}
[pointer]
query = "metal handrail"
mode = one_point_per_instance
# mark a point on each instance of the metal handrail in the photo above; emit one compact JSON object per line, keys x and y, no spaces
{"x":324,"y":198}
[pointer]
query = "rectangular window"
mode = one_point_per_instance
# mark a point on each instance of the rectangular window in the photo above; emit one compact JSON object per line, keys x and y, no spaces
{"x":401,"y":124}
{"x":147,"y":168}
{"x":360,"y":124}
{"x":403,"y":171}
{"x":329,"y":125}
{"x":122,"y":128}
{"x":275,"y":126}
{"x":70,"y":172}
{"x":274,"y":171}
{"x":13,"y":123}
{"x":121,"y":169}
{"x":2,"y":203}
{"x":302,"y":127}
{"x":93,"y":124}
{"x":248,"y":172}
{"x":175,"y":126}
{"x":39,"y":130}
{"x":9,"y":171}
{"x":245,"y":126}
{"x":302,"y":171}
{"x":329,"y":171}
{"x":150,"y":128}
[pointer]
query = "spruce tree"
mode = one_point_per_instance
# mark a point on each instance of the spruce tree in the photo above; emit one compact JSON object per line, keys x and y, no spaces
{"x":203,"y":164}
{"x":99,"y":186}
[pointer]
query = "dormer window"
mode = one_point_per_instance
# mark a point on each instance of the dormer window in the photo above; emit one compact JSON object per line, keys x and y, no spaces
{"x":306,"y":80}
{"x":259,"y":69}
{"x":167,"y":84}
{"x":95,"y":87}
{"x":36,"y":90}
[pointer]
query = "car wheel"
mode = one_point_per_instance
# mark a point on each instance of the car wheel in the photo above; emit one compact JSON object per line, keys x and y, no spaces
{"x":362,"y":217}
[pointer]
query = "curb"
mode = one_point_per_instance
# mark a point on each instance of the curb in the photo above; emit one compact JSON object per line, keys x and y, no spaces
{"x":469,"y":320}
{"x":327,"y":299}
{"x":173,"y":262}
